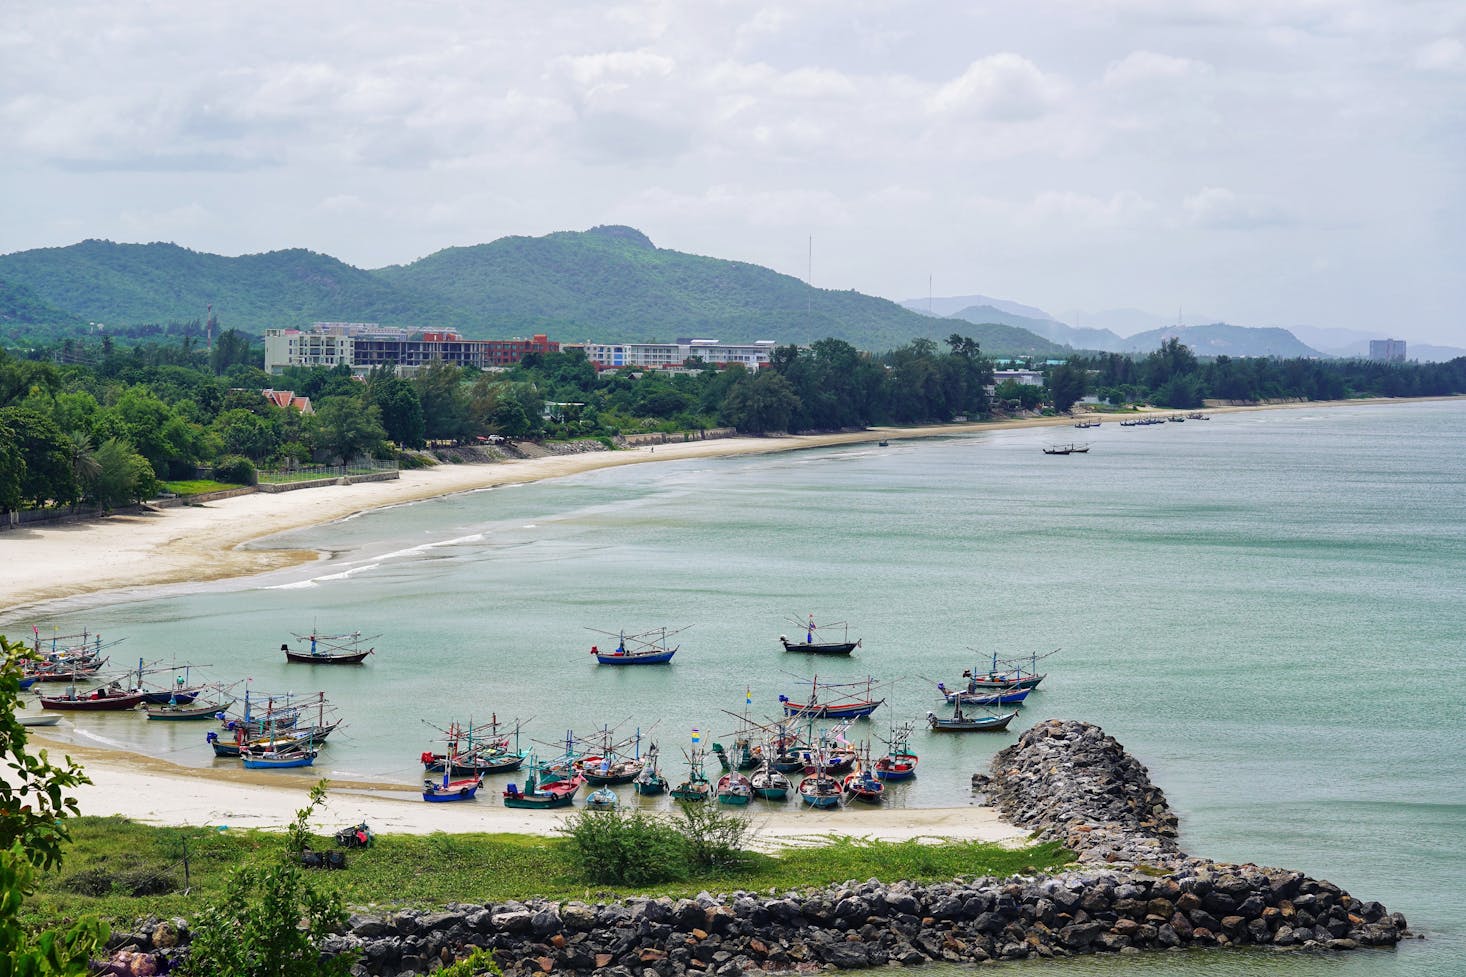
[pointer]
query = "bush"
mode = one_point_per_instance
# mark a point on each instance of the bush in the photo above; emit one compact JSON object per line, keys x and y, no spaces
{"x":715,"y":838}
{"x":625,"y":848}
{"x":236,"y":470}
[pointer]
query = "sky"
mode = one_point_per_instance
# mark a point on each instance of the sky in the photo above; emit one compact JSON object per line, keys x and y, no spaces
{"x":1275,"y":162}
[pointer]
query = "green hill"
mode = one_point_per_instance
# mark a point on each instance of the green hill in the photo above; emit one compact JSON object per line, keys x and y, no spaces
{"x":1221,"y":339}
{"x":25,"y":316}
{"x":611,"y":283}
{"x":1006,"y":334}
{"x":130,"y":284}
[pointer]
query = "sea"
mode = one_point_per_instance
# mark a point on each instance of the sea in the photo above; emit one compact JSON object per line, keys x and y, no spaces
{"x":1264,"y":607}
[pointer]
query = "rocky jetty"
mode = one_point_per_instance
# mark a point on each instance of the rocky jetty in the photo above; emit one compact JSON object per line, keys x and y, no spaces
{"x":1134,"y":890}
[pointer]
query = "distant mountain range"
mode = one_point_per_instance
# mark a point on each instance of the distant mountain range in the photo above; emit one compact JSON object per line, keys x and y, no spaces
{"x":607,"y":284}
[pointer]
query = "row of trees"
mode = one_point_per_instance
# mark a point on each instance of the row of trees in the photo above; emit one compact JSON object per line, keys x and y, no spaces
{"x":108,"y":429}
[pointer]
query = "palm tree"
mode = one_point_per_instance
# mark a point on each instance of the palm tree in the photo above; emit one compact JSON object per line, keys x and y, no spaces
{"x":85,"y":465}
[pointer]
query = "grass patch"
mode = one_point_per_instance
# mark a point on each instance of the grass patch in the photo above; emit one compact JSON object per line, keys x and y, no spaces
{"x":115,"y":869}
{"x":197,"y":486}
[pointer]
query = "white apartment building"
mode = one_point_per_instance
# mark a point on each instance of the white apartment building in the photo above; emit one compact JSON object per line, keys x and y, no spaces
{"x":666,"y":356}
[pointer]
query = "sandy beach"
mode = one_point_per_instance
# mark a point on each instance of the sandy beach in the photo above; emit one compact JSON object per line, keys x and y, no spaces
{"x":192,"y":544}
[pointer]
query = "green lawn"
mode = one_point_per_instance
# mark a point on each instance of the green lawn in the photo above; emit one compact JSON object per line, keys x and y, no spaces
{"x":120,"y":870}
{"x":197,"y":486}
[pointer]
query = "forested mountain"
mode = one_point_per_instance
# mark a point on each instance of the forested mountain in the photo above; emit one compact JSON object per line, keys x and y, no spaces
{"x":1221,"y":339}
{"x":1001,"y":338}
{"x":24,"y":315}
{"x":609,"y":283}
{"x":131,"y":284}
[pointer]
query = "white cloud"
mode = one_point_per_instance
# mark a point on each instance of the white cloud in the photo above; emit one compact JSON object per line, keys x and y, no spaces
{"x":1003,"y":87}
{"x":1443,"y":54}
{"x":1221,"y":208}
{"x":1146,"y":67}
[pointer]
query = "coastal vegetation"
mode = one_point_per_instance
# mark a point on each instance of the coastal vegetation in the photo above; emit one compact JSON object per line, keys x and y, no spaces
{"x":118,"y":428}
{"x":120,"y":870}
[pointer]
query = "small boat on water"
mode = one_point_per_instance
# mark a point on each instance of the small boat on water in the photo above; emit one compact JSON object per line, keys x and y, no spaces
{"x":650,"y":781}
{"x":696,"y":787}
{"x":734,"y":789}
{"x":770,"y":784}
{"x":1012,"y":695}
{"x":646,"y":648}
{"x":810,"y":646}
{"x":448,"y":789}
{"x":331,"y":649}
{"x":1012,"y":674}
{"x":281,"y":759}
{"x":1082,"y":425}
{"x":898,"y":762}
{"x":544,"y":789}
{"x":864,"y":786}
{"x":108,"y":698}
{"x":848,"y":708}
{"x":820,"y":791}
{"x":602,"y":799}
{"x":42,"y":720}
{"x":484,"y":750}
{"x":960,"y":722}
{"x":178,"y":711}
{"x":1066,"y":449}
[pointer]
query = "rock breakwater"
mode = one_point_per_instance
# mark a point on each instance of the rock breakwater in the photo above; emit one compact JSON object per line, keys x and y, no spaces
{"x":1134,"y":890}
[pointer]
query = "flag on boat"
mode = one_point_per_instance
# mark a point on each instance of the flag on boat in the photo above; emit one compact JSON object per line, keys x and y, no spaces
{"x":696,"y":736}
{"x":748,"y":697}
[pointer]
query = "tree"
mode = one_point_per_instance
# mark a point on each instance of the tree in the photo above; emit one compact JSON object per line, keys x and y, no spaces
{"x":231,"y":348}
{"x":33,"y":812}
{"x":344,"y":429}
{"x":444,"y":401}
{"x":761,"y":403}
{"x":402,"y":415}
{"x":123,"y":475}
{"x":1066,"y":385}
{"x":45,"y":471}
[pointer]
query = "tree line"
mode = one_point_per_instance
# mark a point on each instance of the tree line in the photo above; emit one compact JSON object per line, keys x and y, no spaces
{"x":108,"y":425}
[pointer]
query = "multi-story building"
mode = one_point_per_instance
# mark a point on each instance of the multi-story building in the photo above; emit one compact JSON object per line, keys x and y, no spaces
{"x":364,"y":346}
{"x":1390,"y":350}
{"x":669,"y":356}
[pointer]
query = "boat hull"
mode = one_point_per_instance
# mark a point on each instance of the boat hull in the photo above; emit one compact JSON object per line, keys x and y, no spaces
{"x":39,"y":720}
{"x":278,"y":762}
{"x":653,"y":658}
{"x":896,"y":768}
{"x":454,"y":790}
{"x":984,"y":724}
{"x":207,"y":710}
{"x":111,"y":703}
{"x":820,"y":647}
{"x":853,"y":710}
{"x":306,"y":658}
{"x":983,"y":697}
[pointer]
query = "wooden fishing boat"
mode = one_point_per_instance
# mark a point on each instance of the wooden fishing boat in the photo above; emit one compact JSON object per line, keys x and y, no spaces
{"x":696,"y":787}
{"x":1086,"y":424}
{"x":820,"y":791}
{"x":850,"y":708}
{"x":543,"y":790}
{"x":959,"y":722}
{"x":448,"y":789}
{"x":1012,"y":695}
{"x":331,"y":649}
{"x":485,"y":751}
{"x":1012,"y":675}
{"x":105,"y":699}
{"x":650,"y":781}
{"x":1066,"y":449}
{"x":646,"y":648}
{"x":609,"y":763}
{"x":899,"y":762}
{"x":810,"y":646}
{"x":180,"y":711}
{"x":277,"y":759}
{"x":770,"y":784}
{"x":864,"y":786}
{"x":734,"y":789}
{"x":602,"y":799}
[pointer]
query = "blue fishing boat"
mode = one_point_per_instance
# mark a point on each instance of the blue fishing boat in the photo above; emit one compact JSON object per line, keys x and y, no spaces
{"x":601,"y":799}
{"x":1011,"y":696}
{"x":646,"y":648}
{"x":847,"y":708}
{"x":448,"y":789}
{"x":277,"y":759}
{"x":899,"y":762}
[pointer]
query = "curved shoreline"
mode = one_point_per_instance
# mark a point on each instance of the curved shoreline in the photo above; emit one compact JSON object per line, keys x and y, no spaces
{"x":203,"y":543}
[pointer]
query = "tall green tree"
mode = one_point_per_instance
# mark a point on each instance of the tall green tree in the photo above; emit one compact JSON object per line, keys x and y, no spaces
{"x":760,"y":403}
{"x":344,"y":429}
{"x":46,"y":476}
{"x":1066,"y":384}
{"x":123,"y":476}
{"x":402,"y":414}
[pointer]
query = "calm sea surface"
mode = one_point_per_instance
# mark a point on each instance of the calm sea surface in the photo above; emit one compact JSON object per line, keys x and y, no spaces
{"x":1266,"y":608}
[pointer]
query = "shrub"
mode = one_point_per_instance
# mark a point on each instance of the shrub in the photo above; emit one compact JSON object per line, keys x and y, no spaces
{"x":236,"y":469}
{"x":714,"y":837}
{"x":625,"y":848}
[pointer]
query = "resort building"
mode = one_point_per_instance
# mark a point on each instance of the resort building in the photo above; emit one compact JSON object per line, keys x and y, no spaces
{"x":674,"y":355}
{"x":364,"y":346}
{"x":1032,"y":378}
{"x":1389,"y":350}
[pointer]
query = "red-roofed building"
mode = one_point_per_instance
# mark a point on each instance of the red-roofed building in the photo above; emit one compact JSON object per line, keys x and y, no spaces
{"x":286,"y":399}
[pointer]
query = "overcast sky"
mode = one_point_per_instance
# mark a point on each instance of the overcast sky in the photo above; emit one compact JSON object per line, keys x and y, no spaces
{"x":1270,"y":163}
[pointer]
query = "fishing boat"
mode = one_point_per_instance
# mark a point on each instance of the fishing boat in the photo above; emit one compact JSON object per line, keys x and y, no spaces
{"x":1066,"y":449}
{"x":70,"y":656}
{"x":646,"y":648}
{"x":27,"y":682}
{"x":449,"y":789}
{"x":734,"y":789}
{"x":485,"y":751}
{"x":899,"y":761}
{"x":650,"y":781}
{"x":282,"y":759}
{"x":544,"y":789}
{"x":810,"y":646}
{"x":608,"y":763}
{"x":331,"y":649}
{"x":1011,"y":675}
{"x":108,"y":698}
{"x":849,"y":708}
{"x":696,"y":787}
{"x":601,"y":799}
{"x":769,"y":784}
{"x":820,"y":791}
{"x":863,"y":785}
{"x":1012,"y":695}
{"x":1198,"y":416}
{"x":179,"y":691}
{"x":1082,"y":425}
{"x":960,"y":722}
{"x":183,"y":711}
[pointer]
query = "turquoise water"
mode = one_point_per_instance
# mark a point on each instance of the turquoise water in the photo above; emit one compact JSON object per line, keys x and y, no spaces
{"x":1264,"y":607}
